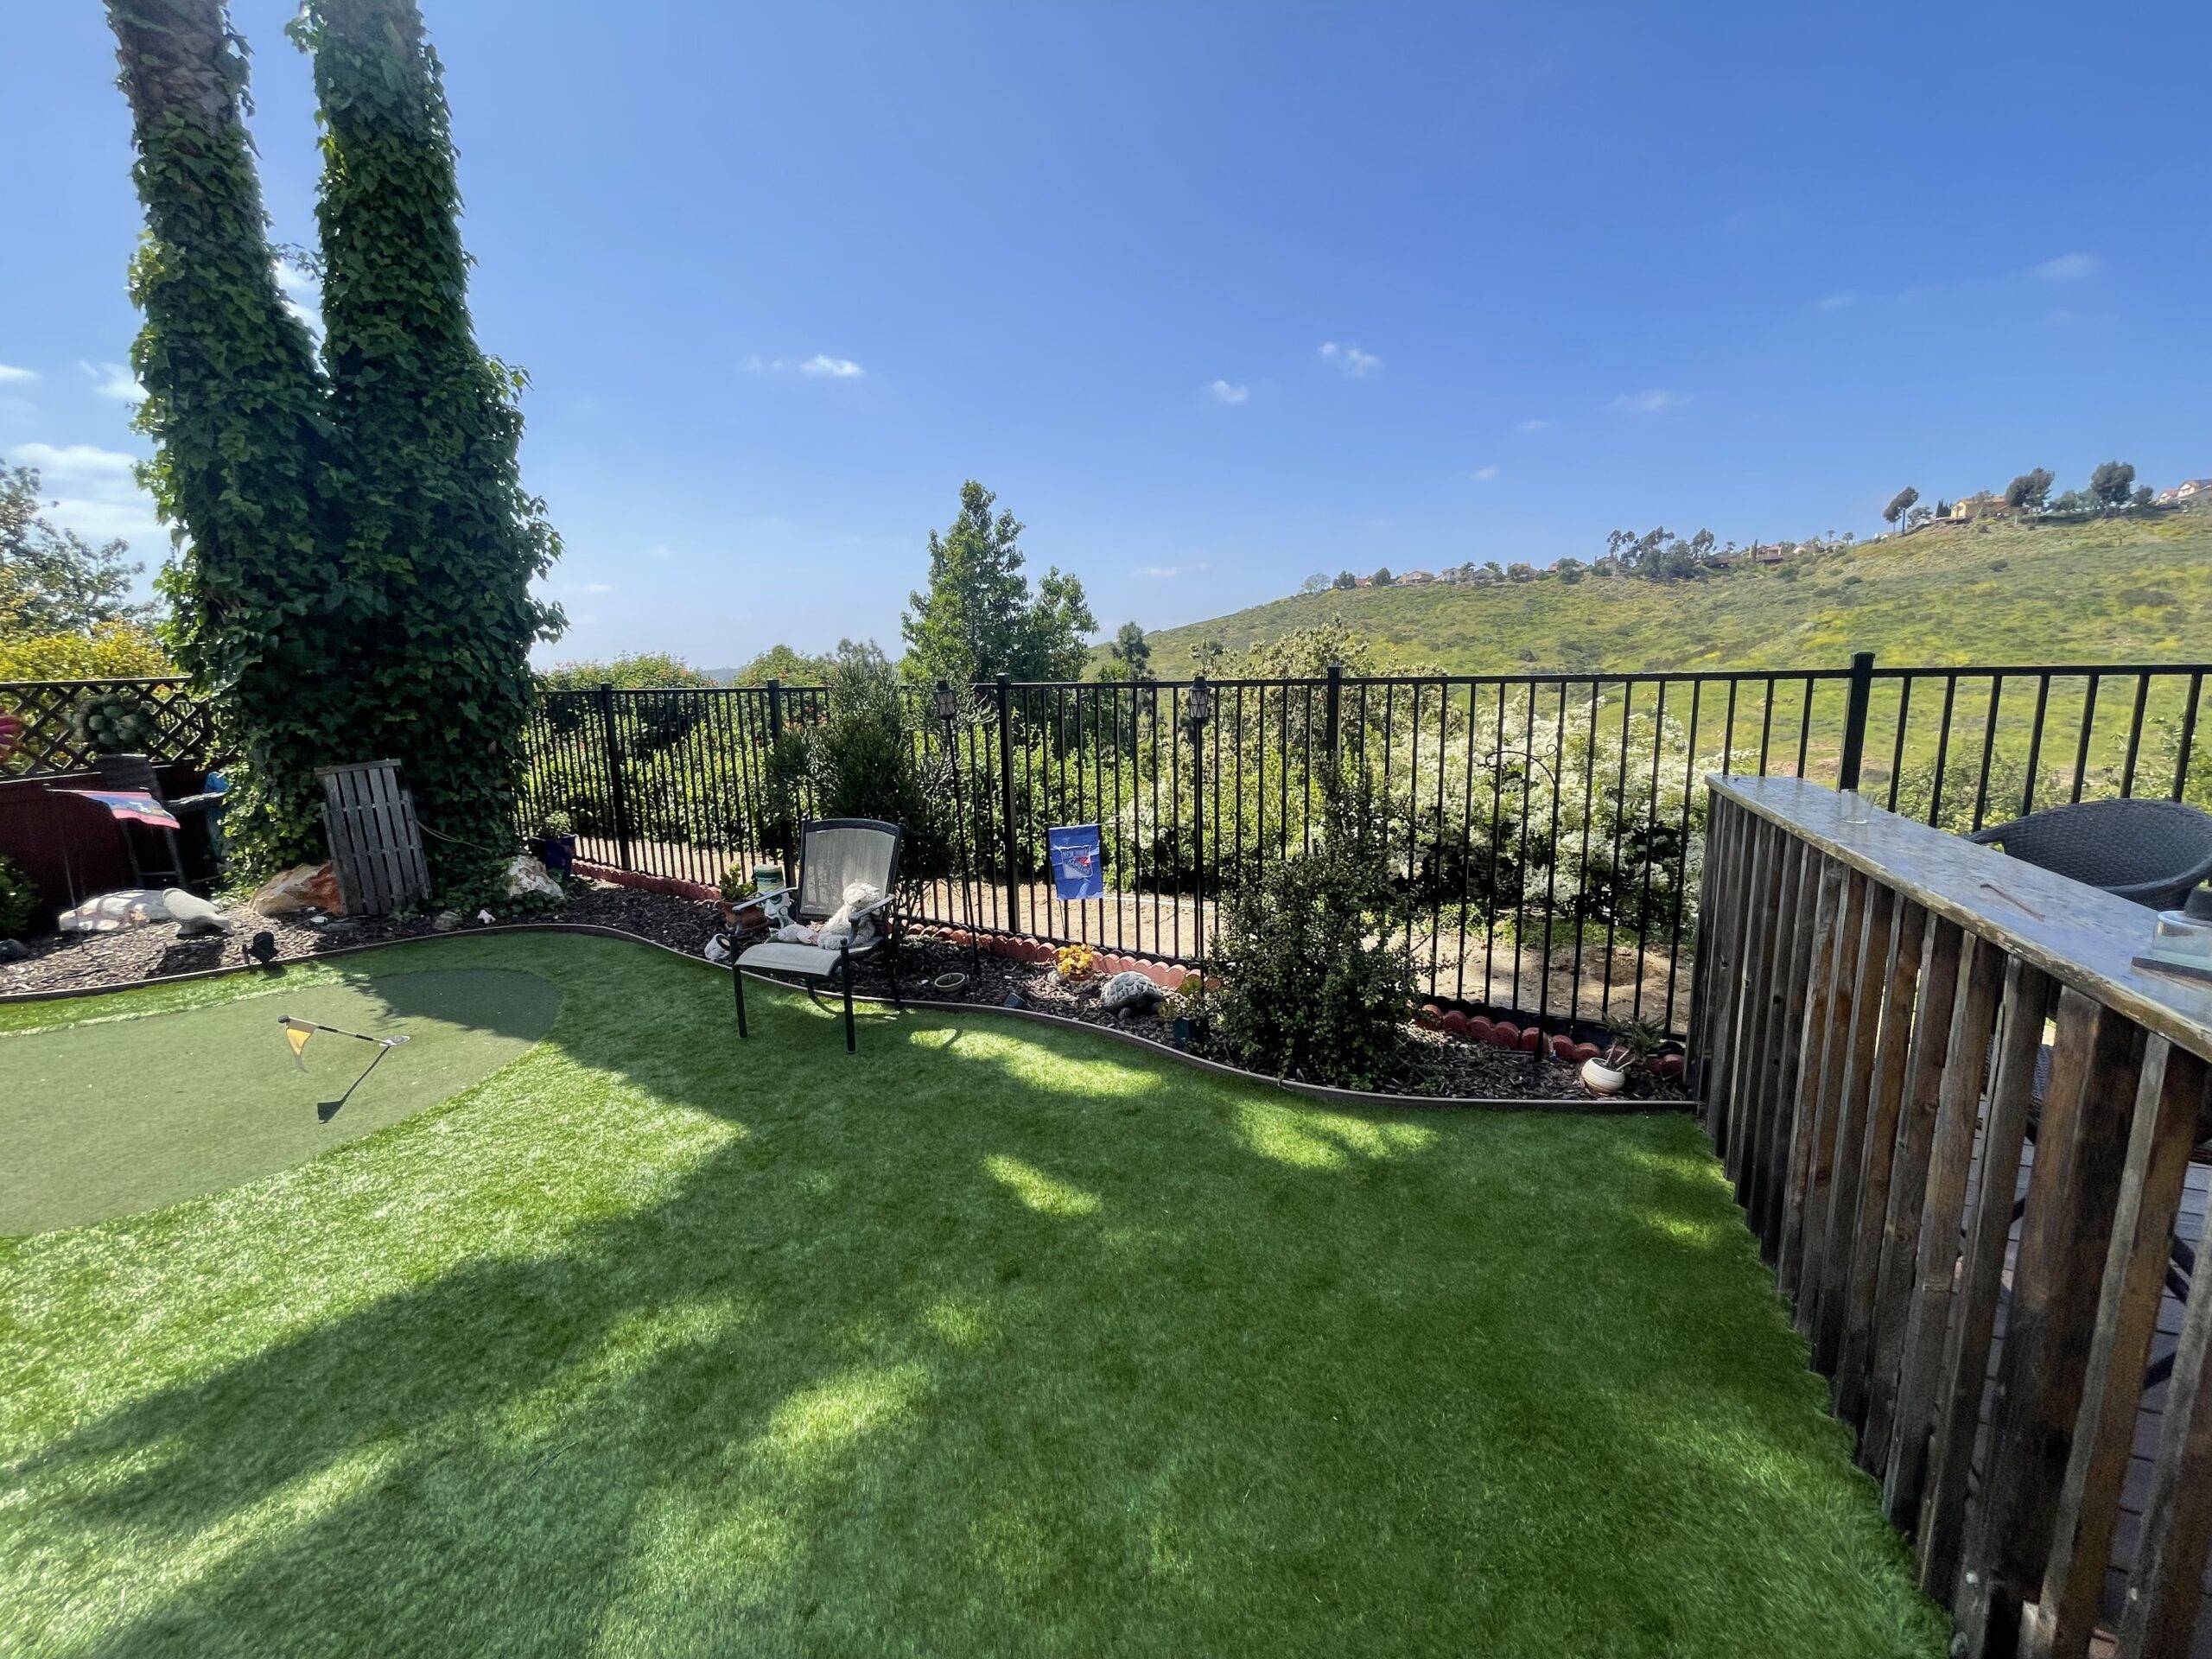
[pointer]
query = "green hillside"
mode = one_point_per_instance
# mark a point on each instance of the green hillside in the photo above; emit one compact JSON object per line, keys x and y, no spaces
{"x":2128,"y":589}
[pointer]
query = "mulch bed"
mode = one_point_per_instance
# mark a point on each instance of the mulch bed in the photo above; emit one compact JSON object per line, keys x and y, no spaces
{"x":1443,"y":1063}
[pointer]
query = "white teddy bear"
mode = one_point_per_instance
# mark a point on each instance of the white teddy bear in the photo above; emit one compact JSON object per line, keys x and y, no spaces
{"x":839,"y":929}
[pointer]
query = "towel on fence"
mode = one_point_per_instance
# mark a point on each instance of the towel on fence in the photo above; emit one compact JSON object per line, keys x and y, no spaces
{"x":839,"y":929}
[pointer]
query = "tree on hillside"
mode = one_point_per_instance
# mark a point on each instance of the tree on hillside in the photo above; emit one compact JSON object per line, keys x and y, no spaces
{"x":1383,"y":577}
{"x":979,"y":618}
{"x":637,"y":670}
{"x":1519,"y":571}
{"x":356,"y":547}
{"x":1344,"y":580}
{"x":2030,"y":490}
{"x":1942,"y":508}
{"x":1568,"y":570}
{"x":2144,"y":496}
{"x":783,"y":662}
{"x":1132,"y":650}
{"x":1900,"y":505}
{"x":2075,"y":501}
{"x":2112,"y":482}
{"x":52,"y":580}
{"x":1316,"y":583}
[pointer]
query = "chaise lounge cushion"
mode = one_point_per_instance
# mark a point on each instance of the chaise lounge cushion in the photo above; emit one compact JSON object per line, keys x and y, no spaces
{"x":776,"y":958}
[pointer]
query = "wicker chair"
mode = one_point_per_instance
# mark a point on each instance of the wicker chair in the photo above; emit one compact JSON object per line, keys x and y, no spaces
{"x":834,"y":854}
{"x":2152,"y":852}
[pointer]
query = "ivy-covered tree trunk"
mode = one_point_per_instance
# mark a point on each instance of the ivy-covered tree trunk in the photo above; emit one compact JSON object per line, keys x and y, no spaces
{"x":243,"y":467}
{"x":446,"y":537}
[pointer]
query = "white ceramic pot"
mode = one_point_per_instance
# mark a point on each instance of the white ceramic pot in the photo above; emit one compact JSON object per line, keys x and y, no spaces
{"x":1601,"y":1079}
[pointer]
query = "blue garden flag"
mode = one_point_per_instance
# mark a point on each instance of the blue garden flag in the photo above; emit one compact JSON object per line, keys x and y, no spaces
{"x":1078,"y":870}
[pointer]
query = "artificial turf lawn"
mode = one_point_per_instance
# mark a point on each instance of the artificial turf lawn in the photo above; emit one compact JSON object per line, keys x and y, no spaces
{"x":990,"y":1340}
{"x":115,"y":1117}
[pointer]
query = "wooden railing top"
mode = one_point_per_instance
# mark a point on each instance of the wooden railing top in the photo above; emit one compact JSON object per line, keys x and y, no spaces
{"x":2081,"y":936}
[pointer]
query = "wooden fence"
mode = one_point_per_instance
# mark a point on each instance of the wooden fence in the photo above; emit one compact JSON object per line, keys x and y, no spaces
{"x":1961,"y":1123}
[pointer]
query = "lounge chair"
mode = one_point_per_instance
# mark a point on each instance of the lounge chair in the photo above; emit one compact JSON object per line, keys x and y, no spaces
{"x":2149,"y":851}
{"x":833,"y":855}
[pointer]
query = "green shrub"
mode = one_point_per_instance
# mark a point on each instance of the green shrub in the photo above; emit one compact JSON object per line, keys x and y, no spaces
{"x":1316,"y":976}
{"x":866,"y":760}
{"x":18,"y":897}
{"x":115,"y":723}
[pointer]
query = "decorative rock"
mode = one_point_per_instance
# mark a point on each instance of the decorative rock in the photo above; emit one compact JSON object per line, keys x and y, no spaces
{"x":445,"y":921}
{"x":13,"y":950}
{"x":1127,"y":990}
{"x":526,"y":875}
{"x":304,"y":887}
{"x":194,"y":916}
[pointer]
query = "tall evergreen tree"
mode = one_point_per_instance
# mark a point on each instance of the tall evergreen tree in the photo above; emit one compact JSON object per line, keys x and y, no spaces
{"x":263,"y":615}
{"x":444,"y":536}
{"x":356,"y":548}
{"x":979,"y":618}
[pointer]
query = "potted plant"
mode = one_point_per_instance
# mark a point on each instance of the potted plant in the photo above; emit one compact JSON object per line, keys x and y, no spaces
{"x":1075,"y":963}
{"x":115,"y":722}
{"x":555,"y":843}
{"x":739,"y":891}
{"x":1625,"y":1066}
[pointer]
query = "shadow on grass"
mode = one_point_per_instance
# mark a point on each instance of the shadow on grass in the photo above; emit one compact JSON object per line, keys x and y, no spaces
{"x":990,"y":1342}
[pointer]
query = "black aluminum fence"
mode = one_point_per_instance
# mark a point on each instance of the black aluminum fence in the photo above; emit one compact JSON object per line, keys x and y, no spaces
{"x":182,"y":726}
{"x":1547,"y":828}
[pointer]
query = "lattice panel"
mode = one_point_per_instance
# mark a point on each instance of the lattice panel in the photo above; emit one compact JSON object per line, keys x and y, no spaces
{"x":184,"y":728}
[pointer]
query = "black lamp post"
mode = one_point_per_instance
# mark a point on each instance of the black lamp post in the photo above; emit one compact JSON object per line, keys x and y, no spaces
{"x":1197,"y":712}
{"x":944,"y":703}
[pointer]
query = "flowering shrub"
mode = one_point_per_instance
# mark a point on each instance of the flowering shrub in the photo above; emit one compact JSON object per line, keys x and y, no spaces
{"x":1075,"y":963}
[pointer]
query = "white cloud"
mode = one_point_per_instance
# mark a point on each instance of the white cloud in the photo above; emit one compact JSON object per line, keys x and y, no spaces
{"x":1355,"y":363}
{"x":116,"y":381}
{"x":821,"y":365}
{"x":1228,"y":391}
{"x":9,"y":372}
{"x":2069,"y":268}
{"x":1839,"y":300}
{"x":94,"y":491}
{"x":302,"y":294}
{"x":1650,"y":403}
{"x":598,"y":587}
{"x":1483,"y":474}
{"x":1534,"y":425}
{"x":1170,"y":570}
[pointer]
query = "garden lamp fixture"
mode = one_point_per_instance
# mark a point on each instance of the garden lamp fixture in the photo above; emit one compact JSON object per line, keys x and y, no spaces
{"x":945,"y":704}
{"x":1200,"y":707}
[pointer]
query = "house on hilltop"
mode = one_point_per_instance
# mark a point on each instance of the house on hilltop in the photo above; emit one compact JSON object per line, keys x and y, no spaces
{"x":1414,"y":578}
{"x":2189,"y":489}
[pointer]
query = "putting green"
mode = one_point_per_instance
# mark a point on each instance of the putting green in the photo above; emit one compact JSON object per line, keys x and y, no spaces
{"x":120,"y":1115}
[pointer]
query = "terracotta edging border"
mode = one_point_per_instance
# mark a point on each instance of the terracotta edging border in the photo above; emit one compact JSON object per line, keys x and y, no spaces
{"x":1613,"y":1106}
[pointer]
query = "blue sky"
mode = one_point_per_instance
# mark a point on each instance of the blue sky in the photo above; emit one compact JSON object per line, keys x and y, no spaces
{"x":1216,"y":295}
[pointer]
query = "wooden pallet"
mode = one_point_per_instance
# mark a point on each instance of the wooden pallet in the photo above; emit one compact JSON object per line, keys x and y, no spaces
{"x":374,"y":841}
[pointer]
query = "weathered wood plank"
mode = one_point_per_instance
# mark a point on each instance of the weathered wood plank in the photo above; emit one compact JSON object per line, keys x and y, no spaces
{"x":1909,"y":1183}
{"x":1900,"y":983}
{"x":1835,"y":1044}
{"x":1854,"y":1103}
{"x":2073,"y":1192}
{"x":1806,"y":1102}
{"x":1921,"y":1365}
{"x":1767,"y":847}
{"x":1774,"y":1099}
{"x":2167,"y":1102}
{"x":1781,"y":1151}
{"x":2164,"y":1592}
{"x":1721,"y":989}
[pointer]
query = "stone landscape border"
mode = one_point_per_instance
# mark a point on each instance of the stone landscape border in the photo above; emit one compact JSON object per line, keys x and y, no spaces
{"x":1591,"y":1106}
